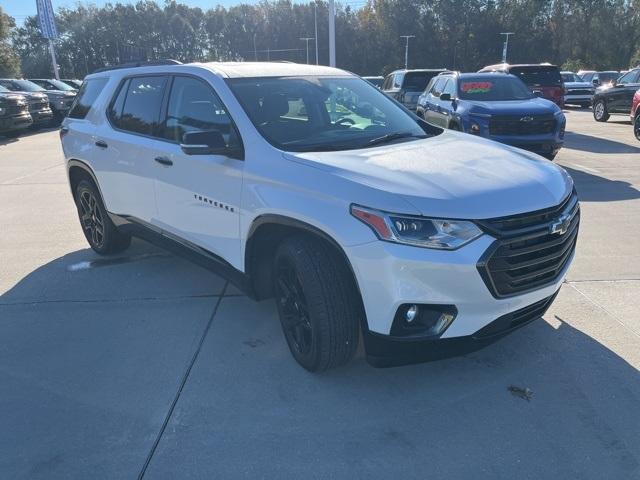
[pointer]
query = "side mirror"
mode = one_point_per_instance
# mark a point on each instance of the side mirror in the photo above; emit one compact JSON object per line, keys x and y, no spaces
{"x":205,"y":142}
{"x":595,"y":81}
{"x":445,"y":97}
{"x":537,"y":93}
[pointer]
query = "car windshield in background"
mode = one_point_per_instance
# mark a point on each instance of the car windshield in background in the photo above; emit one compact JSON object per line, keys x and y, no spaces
{"x":608,"y":77}
{"x":495,"y":88}
{"x":571,"y":77}
{"x":4,"y":89}
{"x":21,"y":86}
{"x":537,"y":75}
{"x":417,"y":81}
{"x":61,"y":85}
{"x":323,"y":113}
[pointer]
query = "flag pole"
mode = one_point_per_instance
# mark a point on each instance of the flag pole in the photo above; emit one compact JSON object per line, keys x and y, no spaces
{"x":53,"y":60}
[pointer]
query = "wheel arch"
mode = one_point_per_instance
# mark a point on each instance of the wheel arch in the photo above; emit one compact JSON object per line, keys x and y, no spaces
{"x":78,"y":170}
{"x":264,"y":236}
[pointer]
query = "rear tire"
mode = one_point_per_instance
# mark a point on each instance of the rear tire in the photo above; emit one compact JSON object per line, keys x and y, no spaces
{"x":318,"y":303}
{"x":103,"y":236}
{"x":600,"y":113}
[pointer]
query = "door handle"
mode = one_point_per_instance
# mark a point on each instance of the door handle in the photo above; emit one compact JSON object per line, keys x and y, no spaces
{"x":101,"y":144}
{"x":163,"y":161}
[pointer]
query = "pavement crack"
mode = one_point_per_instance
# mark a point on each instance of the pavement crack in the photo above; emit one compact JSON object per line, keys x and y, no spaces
{"x":183,"y":382}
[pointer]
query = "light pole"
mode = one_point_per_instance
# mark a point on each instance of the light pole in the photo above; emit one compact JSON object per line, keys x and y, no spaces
{"x":332,"y":33}
{"x":306,"y":39}
{"x":315,"y":22}
{"x":406,"y":49}
{"x":506,"y":45}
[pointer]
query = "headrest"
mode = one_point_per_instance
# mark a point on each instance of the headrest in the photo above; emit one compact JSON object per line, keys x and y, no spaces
{"x":274,"y":105}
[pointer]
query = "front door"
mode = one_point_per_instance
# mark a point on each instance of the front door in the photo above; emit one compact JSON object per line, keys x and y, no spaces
{"x":198,"y":195}
{"x":623,"y":91}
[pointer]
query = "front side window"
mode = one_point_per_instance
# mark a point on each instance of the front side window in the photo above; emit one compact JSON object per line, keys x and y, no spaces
{"x":194,"y":107}
{"x":322,"y":113}
{"x":629,"y":77}
{"x":137,"y":106}
{"x":436,"y":91}
{"x":86,"y":96}
{"x":450,"y":88}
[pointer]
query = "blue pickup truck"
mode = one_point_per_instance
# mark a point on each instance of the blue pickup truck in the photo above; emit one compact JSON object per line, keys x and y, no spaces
{"x":497,"y":106}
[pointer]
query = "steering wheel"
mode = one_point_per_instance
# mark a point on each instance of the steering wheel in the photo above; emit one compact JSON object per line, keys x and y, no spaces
{"x":345,"y":120}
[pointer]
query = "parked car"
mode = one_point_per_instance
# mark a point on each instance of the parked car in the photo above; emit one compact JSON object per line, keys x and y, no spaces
{"x":428,"y":241}
{"x":616,"y":97}
{"x":576,"y":90}
{"x":375,"y":81}
{"x":635,"y":114}
{"x":601,"y":78}
{"x":61,"y":96}
{"x":542,"y":79}
{"x":73,"y":82}
{"x":14,"y":113}
{"x":406,"y":86}
{"x":496,"y":106}
{"x":586,"y":75}
{"x":39,"y":108}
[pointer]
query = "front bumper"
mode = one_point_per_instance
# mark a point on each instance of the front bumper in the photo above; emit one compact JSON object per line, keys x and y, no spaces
{"x":390,"y":275}
{"x":15,"y":122}
{"x":41,"y":116}
{"x":577,"y":99}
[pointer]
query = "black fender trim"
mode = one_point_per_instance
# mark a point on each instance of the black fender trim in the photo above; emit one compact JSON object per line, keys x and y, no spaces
{"x":84,"y":166}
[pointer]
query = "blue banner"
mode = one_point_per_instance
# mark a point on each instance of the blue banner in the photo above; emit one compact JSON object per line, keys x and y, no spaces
{"x":46,"y":19}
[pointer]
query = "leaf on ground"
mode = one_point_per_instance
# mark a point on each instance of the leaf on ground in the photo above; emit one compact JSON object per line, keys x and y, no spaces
{"x":524,"y":393}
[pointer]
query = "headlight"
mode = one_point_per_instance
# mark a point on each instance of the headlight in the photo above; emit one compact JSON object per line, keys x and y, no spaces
{"x":3,"y":110}
{"x":474,"y":128}
{"x":438,"y":233}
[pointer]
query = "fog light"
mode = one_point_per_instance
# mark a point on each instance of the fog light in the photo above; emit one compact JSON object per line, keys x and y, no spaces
{"x":475,"y":128}
{"x":421,"y":320}
{"x":412,"y":311}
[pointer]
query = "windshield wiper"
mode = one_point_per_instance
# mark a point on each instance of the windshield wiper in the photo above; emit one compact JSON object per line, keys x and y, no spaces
{"x":389,"y":137}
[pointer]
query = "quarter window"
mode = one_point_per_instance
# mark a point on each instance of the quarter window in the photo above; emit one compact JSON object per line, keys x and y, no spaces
{"x":86,"y":96}
{"x":137,"y":107}
{"x":194,"y":107}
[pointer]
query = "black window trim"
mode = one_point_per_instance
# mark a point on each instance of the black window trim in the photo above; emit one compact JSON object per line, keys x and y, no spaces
{"x":164,"y":104}
{"x":77,"y":97}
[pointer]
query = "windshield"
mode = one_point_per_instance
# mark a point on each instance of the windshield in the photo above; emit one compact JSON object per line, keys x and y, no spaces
{"x":493,"y":88}
{"x":303,"y":114}
{"x":570,"y":77}
{"x":417,"y":81}
{"x":4,"y":89}
{"x":538,"y":75}
{"x":607,"y":77}
{"x":21,"y":86}
{"x":61,"y":85}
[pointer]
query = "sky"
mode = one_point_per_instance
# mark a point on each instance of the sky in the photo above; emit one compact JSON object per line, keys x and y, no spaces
{"x":20,"y":9}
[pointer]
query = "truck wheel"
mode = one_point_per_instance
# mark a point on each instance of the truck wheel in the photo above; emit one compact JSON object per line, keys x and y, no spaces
{"x":318,"y":303}
{"x":103,"y":236}
{"x":600,"y":112}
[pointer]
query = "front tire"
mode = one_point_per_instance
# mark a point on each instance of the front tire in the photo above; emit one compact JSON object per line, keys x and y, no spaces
{"x":318,"y":303}
{"x":636,"y":127}
{"x":103,"y":236}
{"x":600,"y":113}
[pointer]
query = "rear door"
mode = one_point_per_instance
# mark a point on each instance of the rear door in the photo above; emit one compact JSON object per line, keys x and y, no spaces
{"x":125,"y":148}
{"x":199,"y":195}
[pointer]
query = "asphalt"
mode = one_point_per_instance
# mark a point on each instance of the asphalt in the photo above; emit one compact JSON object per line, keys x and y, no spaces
{"x":145,"y":365}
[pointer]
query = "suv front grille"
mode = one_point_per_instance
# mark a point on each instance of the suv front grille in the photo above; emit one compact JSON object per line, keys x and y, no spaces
{"x":522,"y":125}
{"x":579,"y":91}
{"x":531,"y":249}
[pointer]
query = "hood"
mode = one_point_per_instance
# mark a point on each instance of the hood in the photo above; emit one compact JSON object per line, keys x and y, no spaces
{"x":452,"y":175}
{"x":588,"y":85}
{"x":59,"y":93}
{"x":532,"y":106}
{"x":11,"y":97}
{"x":33,"y":95}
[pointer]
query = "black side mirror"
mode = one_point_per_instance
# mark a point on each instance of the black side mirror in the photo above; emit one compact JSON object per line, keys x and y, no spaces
{"x":595,"y":81}
{"x":445,"y":97}
{"x":207,"y":142}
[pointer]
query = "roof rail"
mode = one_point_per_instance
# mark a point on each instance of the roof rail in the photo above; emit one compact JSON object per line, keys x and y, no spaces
{"x":150,"y":63}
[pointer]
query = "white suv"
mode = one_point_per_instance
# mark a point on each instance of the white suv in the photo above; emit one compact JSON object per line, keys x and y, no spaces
{"x":308,"y":184}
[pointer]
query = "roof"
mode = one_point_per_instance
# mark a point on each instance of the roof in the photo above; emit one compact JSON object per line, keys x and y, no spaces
{"x":506,"y":66}
{"x":410,"y":70}
{"x":269,"y":69}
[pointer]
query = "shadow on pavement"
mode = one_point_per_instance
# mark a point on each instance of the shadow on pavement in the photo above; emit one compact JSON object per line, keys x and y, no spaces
{"x":89,"y":375}
{"x":25,"y":133}
{"x":588,"y":143}
{"x":594,"y":188}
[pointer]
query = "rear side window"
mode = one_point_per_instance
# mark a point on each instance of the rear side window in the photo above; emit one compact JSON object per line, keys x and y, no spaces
{"x":86,"y":96}
{"x":543,"y":76}
{"x":137,"y":106}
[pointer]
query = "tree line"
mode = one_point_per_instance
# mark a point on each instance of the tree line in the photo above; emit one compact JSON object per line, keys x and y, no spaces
{"x":456,"y":34}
